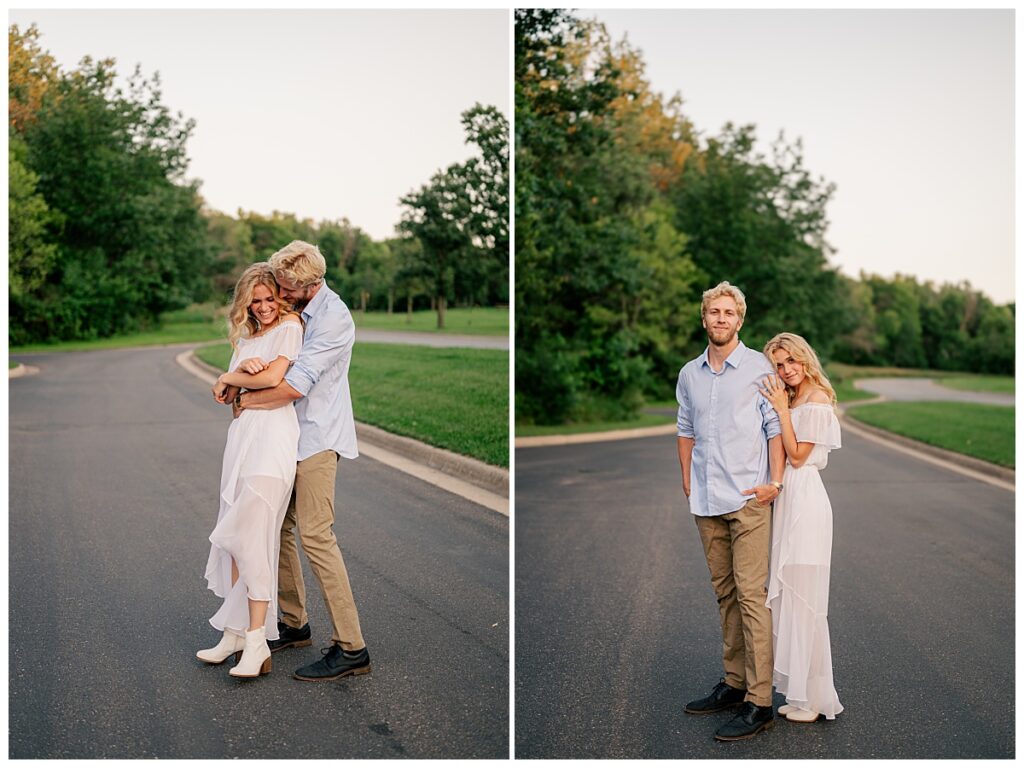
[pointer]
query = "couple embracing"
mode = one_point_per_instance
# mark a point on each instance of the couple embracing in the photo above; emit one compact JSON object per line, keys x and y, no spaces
{"x":754,"y":429}
{"x":287,"y":385}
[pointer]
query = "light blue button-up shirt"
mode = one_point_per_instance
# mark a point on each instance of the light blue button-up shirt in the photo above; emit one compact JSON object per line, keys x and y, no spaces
{"x":731,"y":423}
{"x":320,"y":374}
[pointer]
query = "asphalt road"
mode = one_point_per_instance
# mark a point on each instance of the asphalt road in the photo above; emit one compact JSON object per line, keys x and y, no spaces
{"x":897,"y":388}
{"x":114,"y":469}
{"x":617,"y":625}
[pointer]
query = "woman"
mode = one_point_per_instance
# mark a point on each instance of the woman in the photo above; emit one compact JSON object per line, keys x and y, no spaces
{"x":802,"y":531}
{"x":256,"y":477}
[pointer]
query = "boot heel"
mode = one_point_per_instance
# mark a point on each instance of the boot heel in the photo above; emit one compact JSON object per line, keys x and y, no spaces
{"x":265,"y":669}
{"x":363,"y":670}
{"x":238,"y":657}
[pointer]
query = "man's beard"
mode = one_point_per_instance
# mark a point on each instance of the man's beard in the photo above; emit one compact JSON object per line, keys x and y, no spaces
{"x":299,"y":303}
{"x":722,"y":338}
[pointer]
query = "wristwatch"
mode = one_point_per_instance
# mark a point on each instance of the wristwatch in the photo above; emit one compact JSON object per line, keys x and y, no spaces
{"x":238,"y":403}
{"x":777,"y":485}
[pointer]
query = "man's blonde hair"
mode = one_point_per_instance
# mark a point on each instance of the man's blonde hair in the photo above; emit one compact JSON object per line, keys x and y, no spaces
{"x":720,"y":290}
{"x":299,"y":262}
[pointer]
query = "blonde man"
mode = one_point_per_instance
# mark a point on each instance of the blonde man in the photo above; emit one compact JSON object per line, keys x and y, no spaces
{"x":317,"y":383}
{"x":729,"y":446}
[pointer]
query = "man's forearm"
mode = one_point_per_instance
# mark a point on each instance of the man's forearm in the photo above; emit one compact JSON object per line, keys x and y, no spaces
{"x":776,"y":458}
{"x":269,"y":399}
{"x":685,"y":447}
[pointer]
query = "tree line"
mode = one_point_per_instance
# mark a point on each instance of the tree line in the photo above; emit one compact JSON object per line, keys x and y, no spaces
{"x":106,"y":233}
{"x":625,"y":214}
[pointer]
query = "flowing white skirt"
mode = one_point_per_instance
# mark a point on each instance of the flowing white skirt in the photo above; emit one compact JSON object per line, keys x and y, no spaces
{"x":257,"y":475}
{"x":798,"y":593}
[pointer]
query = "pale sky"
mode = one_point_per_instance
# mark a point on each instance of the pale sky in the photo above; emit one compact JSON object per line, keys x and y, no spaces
{"x":910,"y":113}
{"x":323,"y":113}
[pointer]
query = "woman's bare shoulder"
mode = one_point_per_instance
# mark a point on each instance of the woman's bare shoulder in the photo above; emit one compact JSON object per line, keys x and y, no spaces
{"x":292,"y":317}
{"x":819,"y":396}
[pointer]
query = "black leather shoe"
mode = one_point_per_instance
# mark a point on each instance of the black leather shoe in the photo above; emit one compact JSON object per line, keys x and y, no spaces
{"x":334,"y":664}
{"x":751,"y":720}
{"x":723,"y":697}
{"x":291,"y":637}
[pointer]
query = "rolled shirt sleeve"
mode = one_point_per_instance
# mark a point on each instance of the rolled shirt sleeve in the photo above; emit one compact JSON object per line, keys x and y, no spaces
{"x":321,"y":350}
{"x":771,"y":426}
{"x":684,"y":418}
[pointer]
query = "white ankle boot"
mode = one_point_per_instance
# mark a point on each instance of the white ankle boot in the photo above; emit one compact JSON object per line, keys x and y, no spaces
{"x":802,"y":716}
{"x":785,"y":709}
{"x":255,"y":656}
{"x":230,"y":645}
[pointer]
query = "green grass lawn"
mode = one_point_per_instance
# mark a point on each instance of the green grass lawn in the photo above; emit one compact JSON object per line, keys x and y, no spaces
{"x":983,"y":431}
{"x":11,"y":364}
{"x":980,"y":383}
{"x":451,"y":398}
{"x":483,"y":321}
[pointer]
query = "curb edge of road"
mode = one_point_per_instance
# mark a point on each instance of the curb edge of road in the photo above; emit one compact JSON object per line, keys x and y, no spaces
{"x":492,"y":480}
{"x":22,"y":370}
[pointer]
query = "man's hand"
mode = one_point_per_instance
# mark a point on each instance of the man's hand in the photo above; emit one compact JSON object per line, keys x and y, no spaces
{"x":236,"y":411}
{"x":763,"y":493}
{"x":252,"y":365}
{"x":686,"y":490}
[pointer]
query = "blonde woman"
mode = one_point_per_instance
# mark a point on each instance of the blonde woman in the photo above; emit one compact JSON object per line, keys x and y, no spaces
{"x":801,"y":551}
{"x":256,"y":476}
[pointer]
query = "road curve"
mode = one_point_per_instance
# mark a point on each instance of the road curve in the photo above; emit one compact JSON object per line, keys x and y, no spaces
{"x":914,"y":389}
{"x":114,"y":465}
{"x":617,"y":627}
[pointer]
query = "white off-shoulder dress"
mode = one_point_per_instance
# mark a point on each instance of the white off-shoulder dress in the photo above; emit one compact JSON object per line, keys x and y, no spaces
{"x":799,"y":575}
{"x":255,"y":486}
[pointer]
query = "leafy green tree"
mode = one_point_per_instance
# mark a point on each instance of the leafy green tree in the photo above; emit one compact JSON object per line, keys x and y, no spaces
{"x":760,"y":224}
{"x":133,"y":244}
{"x":992,"y":349}
{"x":31,"y":72}
{"x":233,"y":251}
{"x":460,"y":218}
{"x":31,"y":245}
{"x":603,"y":275}
{"x":273,"y":232}
{"x":897,"y":308}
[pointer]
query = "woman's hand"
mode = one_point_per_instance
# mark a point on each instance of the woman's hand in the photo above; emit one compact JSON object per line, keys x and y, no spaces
{"x":775,"y":393}
{"x":220,"y":391}
{"x":252,"y":365}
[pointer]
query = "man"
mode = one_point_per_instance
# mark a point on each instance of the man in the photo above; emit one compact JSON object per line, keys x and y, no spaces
{"x":729,"y":442}
{"x":318,"y":385}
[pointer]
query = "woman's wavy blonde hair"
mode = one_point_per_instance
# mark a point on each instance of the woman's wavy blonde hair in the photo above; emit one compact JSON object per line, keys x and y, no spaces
{"x":241,"y":321}
{"x":804,"y":354}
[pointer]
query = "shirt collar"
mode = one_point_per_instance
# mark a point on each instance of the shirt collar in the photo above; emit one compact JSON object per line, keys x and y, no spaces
{"x":315,"y":303}
{"x":734,"y":358}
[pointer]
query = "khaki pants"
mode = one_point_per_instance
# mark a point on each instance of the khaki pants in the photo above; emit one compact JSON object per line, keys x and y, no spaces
{"x":736,"y":546}
{"x":311,"y":509}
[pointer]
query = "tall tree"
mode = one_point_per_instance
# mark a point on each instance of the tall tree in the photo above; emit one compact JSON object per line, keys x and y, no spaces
{"x":31,"y":72}
{"x":134,"y":244}
{"x":460,"y":217}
